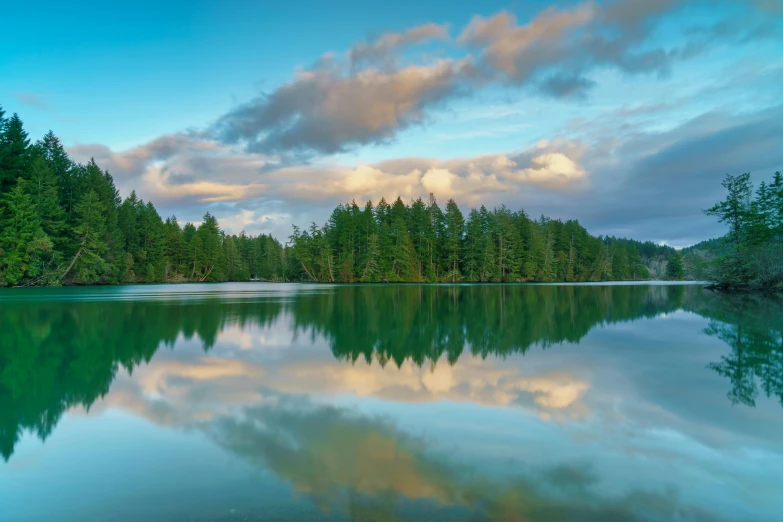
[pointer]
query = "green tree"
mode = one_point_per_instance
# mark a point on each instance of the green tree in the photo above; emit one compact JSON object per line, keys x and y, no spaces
{"x":455,"y":230}
{"x":674,"y":269}
{"x":22,"y":242}
{"x":88,"y":264}
{"x":14,"y":152}
{"x":42,"y":188}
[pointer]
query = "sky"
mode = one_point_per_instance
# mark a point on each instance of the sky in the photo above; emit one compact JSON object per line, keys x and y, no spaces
{"x":624,"y":114}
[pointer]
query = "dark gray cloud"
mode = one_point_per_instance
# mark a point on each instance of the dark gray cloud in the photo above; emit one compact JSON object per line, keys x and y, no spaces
{"x":667,"y":178}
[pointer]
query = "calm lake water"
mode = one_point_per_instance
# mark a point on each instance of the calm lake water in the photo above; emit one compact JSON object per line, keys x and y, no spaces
{"x":390,"y":403}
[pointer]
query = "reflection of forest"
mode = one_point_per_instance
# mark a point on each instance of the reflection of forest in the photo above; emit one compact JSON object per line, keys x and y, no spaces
{"x":55,"y":355}
{"x":752,"y":325}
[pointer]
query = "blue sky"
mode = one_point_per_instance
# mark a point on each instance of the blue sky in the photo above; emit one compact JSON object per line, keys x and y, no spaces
{"x":624,"y":114}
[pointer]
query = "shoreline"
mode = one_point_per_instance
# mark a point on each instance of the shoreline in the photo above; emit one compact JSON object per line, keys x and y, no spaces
{"x":661,"y":282}
{"x":745,"y":290}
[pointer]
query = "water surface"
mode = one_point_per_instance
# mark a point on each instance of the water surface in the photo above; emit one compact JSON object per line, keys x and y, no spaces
{"x":390,"y":403}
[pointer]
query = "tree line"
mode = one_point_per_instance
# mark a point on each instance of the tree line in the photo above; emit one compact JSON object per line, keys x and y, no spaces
{"x":420,"y":242}
{"x":62,"y":222}
{"x":750,"y":255}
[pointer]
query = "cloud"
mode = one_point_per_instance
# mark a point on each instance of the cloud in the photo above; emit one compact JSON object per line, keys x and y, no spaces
{"x":380,"y":51}
{"x":596,"y":168}
{"x":670,"y":176}
{"x":324,"y":111}
{"x":368,"y":98}
{"x":468,"y":180}
{"x":31,"y":100}
{"x":184,"y":169}
{"x":615,"y":177}
{"x":180,"y":166}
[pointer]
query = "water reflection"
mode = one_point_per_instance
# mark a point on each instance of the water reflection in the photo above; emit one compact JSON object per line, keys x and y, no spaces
{"x":753,"y":327}
{"x":56,"y":354}
{"x":248,"y":371}
{"x":363,"y":463}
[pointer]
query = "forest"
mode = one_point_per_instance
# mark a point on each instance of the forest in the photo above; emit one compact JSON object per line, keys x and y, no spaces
{"x":62,"y":223}
{"x":420,"y":242}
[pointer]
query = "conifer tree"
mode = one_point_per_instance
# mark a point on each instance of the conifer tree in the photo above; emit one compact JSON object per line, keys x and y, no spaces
{"x":14,"y":152}
{"x":674,"y":269}
{"x":42,"y":188}
{"x":455,"y":229}
{"x":88,"y":264}
{"x":22,"y":242}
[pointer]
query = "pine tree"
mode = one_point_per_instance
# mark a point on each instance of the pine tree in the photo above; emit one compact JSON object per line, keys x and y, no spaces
{"x":14,"y":152}
{"x":736,"y":212}
{"x":674,"y":268}
{"x":455,"y":230}
{"x":209,"y":252}
{"x":42,"y":188}
{"x":62,"y":169}
{"x":22,"y":242}
{"x":474,"y":247}
{"x":88,"y":264}
{"x":403,"y":259}
{"x":371,"y":272}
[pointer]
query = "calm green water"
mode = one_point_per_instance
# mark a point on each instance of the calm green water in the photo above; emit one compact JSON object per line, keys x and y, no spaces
{"x":390,"y":403}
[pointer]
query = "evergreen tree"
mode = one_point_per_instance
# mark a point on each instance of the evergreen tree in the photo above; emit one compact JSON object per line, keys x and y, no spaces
{"x":674,"y":269}
{"x":751,"y":254}
{"x":42,"y":188}
{"x":88,"y":264}
{"x":455,"y":229}
{"x":22,"y":242}
{"x":210,"y":254}
{"x":14,"y":152}
{"x":62,"y":170}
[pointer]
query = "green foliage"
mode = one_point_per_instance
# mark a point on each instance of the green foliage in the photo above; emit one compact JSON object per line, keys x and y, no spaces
{"x":23,"y":245}
{"x":14,"y":151}
{"x":62,"y":222}
{"x":750,"y":256}
{"x":89,"y":264}
{"x":675,"y":270}
{"x":419,"y":242}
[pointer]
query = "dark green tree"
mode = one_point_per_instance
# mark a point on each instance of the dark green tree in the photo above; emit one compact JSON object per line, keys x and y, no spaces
{"x":674,"y":269}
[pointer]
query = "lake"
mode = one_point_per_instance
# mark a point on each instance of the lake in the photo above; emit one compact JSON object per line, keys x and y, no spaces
{"x":280,"y":402}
